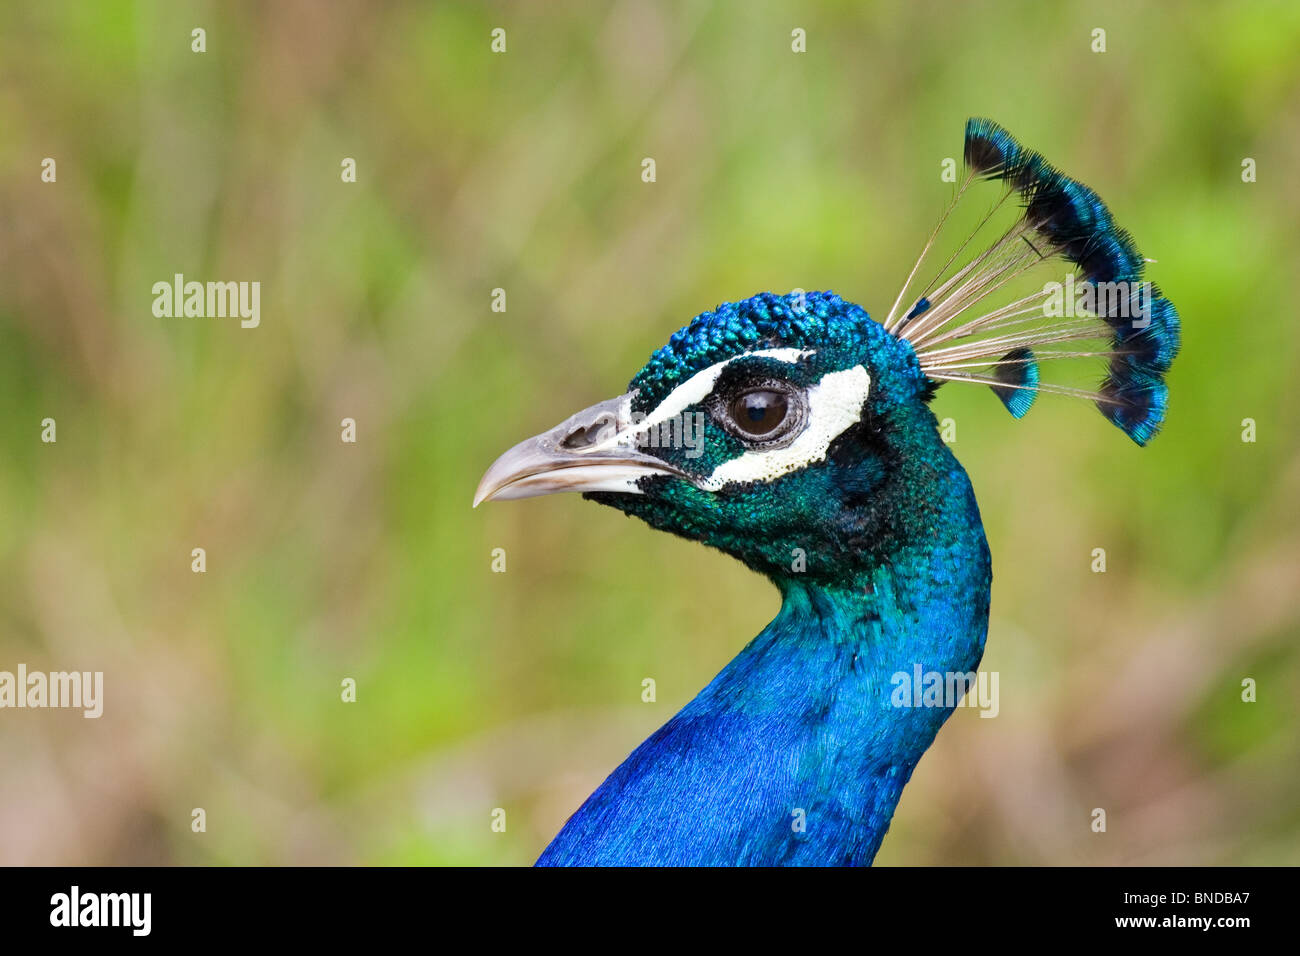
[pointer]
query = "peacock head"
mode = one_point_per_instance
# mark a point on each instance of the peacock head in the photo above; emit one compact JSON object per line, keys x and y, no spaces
{"x":763,"y":428}
{"x":793,"y":431}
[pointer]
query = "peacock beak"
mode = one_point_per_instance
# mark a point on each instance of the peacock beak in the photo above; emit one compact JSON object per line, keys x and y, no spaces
{"x":594,"y":450}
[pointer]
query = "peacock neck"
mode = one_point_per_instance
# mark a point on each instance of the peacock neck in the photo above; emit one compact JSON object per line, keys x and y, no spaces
{"x":798,"y":751}
{"x":841,"y":665}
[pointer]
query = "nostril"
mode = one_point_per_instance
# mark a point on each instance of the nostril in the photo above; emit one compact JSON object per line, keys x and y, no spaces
{"x":577,"y":439}
{"x":590,"y":434}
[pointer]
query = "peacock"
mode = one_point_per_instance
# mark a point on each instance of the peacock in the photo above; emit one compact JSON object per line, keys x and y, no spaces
{"x":794,"y":432}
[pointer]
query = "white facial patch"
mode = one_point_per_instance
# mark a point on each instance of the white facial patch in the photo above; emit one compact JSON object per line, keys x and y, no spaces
{"x":692,"y":391}
{"x":834,"y":404}
{"x":696,"y":388}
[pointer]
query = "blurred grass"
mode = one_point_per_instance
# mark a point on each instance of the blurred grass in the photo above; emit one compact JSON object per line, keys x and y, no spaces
{"x":775,"y":170}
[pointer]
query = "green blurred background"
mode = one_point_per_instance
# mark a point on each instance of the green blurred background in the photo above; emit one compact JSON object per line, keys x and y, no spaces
{"x":522,"y":171}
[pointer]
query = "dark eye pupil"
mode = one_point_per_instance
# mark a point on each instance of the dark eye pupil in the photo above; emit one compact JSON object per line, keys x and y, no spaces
{"x":759,"y":412}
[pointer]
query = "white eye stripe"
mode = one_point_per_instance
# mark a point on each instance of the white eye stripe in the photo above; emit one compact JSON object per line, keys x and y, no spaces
{"x":834,"y":404}
{"x":696,"y":388}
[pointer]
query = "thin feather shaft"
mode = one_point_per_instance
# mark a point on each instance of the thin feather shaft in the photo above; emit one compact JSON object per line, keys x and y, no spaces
{"x":1041,"y":387}
{"x":925,"y":250}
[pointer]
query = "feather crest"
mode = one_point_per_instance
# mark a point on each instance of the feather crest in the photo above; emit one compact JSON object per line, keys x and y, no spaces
{"x":1116,"y":315}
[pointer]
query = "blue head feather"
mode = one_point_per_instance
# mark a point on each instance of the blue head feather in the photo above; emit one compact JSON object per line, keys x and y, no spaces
{"x":1018,"y":373}
{"x":1151,"y":344}
{"x":812,"y":320}
{"x":991,"y":151}
{"x":1135,"y":400}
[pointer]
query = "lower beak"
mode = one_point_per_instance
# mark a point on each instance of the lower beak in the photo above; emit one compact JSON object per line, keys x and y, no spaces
{"x":594,"y":450}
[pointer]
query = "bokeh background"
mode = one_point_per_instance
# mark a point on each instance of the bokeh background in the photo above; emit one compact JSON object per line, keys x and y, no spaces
{"x":522,"y":171}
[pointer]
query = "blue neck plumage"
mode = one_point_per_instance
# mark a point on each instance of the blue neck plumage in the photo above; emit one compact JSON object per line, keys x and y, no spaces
{"x":797,"y":752}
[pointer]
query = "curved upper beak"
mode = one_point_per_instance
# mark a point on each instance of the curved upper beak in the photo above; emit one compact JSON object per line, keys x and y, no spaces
{"x":594,"y":450}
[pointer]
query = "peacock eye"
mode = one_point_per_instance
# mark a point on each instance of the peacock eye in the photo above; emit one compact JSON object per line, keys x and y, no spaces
{"x":759,"y":413}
